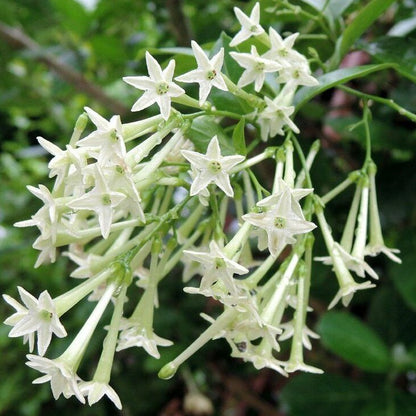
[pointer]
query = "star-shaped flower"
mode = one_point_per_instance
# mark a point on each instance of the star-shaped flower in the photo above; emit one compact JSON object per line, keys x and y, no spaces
{"x":281,"y":50}
{"x":95,"y":391}
{"x":282,"y":221}
{"x":135,"y":334}
{"x":298,"y":73}
{"x":61,"y":376}
{"x":352,"y":263}
{"x":216,"y":267}
{"x":108,"y":138}
{"x":256,"y":67}
{"x":273,"y":118}
{"x":64,"y":162}
{"x":212,"y":167}
{"x":208,"y":74}
{"x":289,"y":331}
{"x":100,"y":199}
{"x":36,"y":316}
{"x":158,"y":87}
{"x":250,"y":26}
{"x":346,"y":292}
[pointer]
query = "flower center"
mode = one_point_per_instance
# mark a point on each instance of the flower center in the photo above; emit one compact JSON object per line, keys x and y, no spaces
{"x":279,"y":222}
{"x":106,"y":199}
{"x":211,"y":74}
{"x":45,"y":315}
{"x":260,"y":66}
{"x":283,"y":52}
{"x":219,"y":263}
{"x":296,"y":74}
{"x":253,"y":28}
{"x":162,"y":88}
{"x":214,"y":166}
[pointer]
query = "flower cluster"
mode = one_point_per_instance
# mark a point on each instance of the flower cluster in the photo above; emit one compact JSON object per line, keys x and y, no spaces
{"x":131,"y":201}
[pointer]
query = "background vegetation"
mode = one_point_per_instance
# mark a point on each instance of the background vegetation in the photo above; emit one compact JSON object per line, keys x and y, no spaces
{"x":57,"y":56}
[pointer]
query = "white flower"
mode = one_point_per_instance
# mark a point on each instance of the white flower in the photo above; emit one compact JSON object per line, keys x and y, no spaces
{"x":289,"y":331}
{"x":352,"y":263}
{"x":217,"y":267}
{"x":260,"y":357}
{"x":212,"y":167}
{"x":46,"y":218}
{"x":256,"y":67}
{"x":298,"y":73}
{"x":281,"y":50}
{"x":101,"y":200}
{"x":61,"y":376}
{"x":108,"y":138}
{"x":47,"y":251}
{"x":95,"y":391}
{"x":346,"y":292}
{"x":120,"y":178}
{"x":158,"y":88}
{"x":36,"y":316}
{"x":291,"y":367}
{"x":64,"y":162}
{"x":250,"y":26}
{"x":282,"y":221}
{"x":208,"y":74}
{"x":375,"y":249}
{"x":134,"y":334}
{"x":273,"y":118}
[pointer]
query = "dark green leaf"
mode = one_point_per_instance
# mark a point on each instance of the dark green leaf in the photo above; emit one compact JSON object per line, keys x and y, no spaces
{"x":354,"y":341}
{"x":395,"y":50}
{"x":334,"y":78}
{"x":203,"y":129}
{"x":398,"y":403}
{"x":357,"y":27}
{"x":239,"y":139}
{"x":231,"y":67}
{"x":404,"y":275}
{"x":391,"y":318}
{"x":320,"y":395}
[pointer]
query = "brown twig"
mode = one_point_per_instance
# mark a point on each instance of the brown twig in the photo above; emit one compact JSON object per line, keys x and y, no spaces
{"x":18,"y":39}
{"x":179,"y":23}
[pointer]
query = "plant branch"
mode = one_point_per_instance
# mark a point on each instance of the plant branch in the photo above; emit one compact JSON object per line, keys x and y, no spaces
{"x":18,"y":39}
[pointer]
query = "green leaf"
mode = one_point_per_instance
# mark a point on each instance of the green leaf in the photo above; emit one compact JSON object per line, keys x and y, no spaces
{"x":397,"y":404}
{"x":334,"y":78}
{"x":231,"y":67}
{"x":203,"y":129}
{"x":357,"y":27}
{"x":390,"y":317}
{"x":404,"y":275}
{"x":354,"y":341}
{"x":109,"y":49}
{"x":395,"y":50}
{"x":239,"y":139}
{"x":74,"y":16}
{"x":308,"y":394}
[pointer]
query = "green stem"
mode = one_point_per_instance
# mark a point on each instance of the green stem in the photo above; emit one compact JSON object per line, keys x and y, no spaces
{"x":386,"y":101}
{"x":337,"y":190}
{"x":302,"y":160}
{"x":103,"y":372}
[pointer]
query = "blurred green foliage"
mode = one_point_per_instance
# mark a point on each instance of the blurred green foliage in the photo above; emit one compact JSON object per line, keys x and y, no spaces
{"x":108,"y":42}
